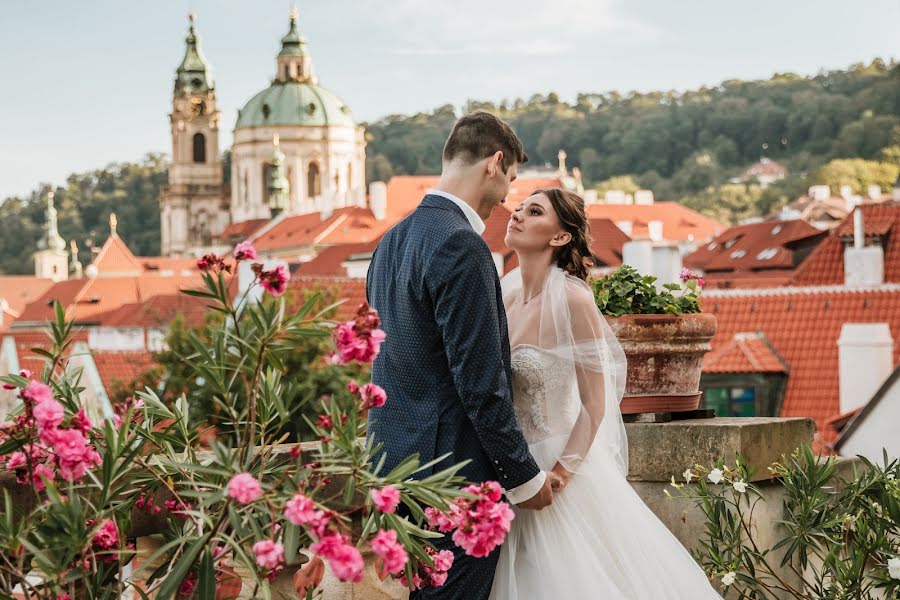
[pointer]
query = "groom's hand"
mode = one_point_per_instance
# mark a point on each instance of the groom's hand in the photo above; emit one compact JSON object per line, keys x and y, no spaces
{"x":543,"y":498}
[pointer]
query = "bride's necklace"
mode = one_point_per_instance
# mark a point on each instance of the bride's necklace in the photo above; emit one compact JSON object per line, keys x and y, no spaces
{"x":526,"y":301}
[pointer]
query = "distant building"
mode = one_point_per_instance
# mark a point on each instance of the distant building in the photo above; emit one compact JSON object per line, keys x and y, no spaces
{"x":821,"y":345}
{"x":296,"y":150}
{"x":825,"y":211}
{"x":765,"y":172}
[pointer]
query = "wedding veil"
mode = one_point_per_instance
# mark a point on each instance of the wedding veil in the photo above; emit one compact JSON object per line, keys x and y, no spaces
{"x":576,"y":344}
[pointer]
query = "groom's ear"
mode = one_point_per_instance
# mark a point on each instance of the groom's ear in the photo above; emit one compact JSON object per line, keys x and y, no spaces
{"x":495,"y":163}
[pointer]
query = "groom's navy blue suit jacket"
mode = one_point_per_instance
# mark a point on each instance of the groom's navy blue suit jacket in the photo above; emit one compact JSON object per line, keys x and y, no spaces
{"x":445,"y":362}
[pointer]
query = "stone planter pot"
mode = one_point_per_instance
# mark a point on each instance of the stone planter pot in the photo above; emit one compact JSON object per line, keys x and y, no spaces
{"x":665,"y":355}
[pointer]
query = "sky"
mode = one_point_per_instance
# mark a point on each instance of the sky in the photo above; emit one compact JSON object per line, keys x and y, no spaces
{"x":87,"y":83}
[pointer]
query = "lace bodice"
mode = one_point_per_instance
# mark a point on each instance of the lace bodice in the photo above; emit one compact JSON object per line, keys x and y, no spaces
{"x":540,"y":380}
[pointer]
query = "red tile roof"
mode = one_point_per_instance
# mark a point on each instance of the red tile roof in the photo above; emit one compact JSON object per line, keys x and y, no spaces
{"x":157,"y":311}
{"x":825,"y":265}
{"x":120,"y":369}
{"x":19,"y":290}
{"x":679,"y":222}
{"x":803,"y":326}
{"x":27,"y":341}
{"x":115,"y":259}
{"x":328,"y":262}
{"x":238,"y":232}
{"x":85,"y":299}
{"x":758,"y":246}
{"x":765,"y":167}
{"x":745,"y":353}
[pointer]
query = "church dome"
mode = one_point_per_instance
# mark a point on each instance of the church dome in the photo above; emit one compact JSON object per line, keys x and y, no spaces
{"x":295,"y":96}
{"x":294,"y":103}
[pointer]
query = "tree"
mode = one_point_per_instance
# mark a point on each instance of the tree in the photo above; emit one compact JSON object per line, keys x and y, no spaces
{"x":626,"y":183}
{"x":857,"y":173}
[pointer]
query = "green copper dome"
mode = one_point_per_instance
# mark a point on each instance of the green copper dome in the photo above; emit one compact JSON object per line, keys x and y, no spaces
{"x":295,"y":96}
{"x":294,"y":103}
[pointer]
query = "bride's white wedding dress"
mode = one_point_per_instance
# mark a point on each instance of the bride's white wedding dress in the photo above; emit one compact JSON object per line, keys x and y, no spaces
{"x":597,"y":539}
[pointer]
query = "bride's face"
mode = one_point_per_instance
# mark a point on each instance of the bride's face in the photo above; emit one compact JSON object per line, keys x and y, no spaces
{"x":535,"y":226}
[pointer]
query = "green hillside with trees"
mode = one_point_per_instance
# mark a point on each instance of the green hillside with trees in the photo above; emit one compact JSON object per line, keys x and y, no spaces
{"x":840,"y":127}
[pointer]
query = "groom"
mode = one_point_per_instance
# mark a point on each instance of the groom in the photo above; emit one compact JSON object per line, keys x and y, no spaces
{"x":445,"y":363}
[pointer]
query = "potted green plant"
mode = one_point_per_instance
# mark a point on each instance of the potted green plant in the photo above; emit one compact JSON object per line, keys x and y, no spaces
{"x":664,"y":336}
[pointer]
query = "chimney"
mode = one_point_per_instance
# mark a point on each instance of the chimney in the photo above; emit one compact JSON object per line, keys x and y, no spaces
{"x":863,"y":265}
{"x":846,"y":192}
{"x":614,"y":197}
{"x":378,"y":199}
{"x":667,"y":264}
{"x":865,"y":360}
{"x":874,"y":192}
{"x":639,"y":254}
{"x":819,"y":192}
{"x":655,"y":229}
{"x":643,"y":197}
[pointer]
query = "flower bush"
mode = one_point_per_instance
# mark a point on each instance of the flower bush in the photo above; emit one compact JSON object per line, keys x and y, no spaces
{"x":839,"y":538}
{"x":242,"y":500}
{"x":627,"y":292}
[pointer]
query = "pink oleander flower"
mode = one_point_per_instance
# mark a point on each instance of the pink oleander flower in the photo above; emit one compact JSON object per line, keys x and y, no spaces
{"x":373,"y":396}
{"x":63,"y":597}
{"x":301,"y":510}
{"x":48,"y":413}
{"x":81,"y":422}
{"x":345,"y":560}
{"x":37,"y":392}
{"x":37,"y":480}
{"x":386,"y":499}
{"x":244,"y":488}
{"x":358,"y":340}
{"x":269,"y":554}
{"x":74,"y":455}
{"x":25,"y":373}
{"x":16,"y":460}
{"x":244,"y":251}
{"x":108,"y":535}
{"x":417,"y":581}
{"x":202,"y":264}
{"x":273,"y":281}
{"x":8,"y":386}
{"x":443,"y":560}
{"x":391,"y":552}
{"x":443,"y":522}
{"x":352,"y":387}
{"x":480,"y":524}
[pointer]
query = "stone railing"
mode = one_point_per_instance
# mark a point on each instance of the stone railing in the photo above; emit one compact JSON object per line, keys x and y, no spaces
{"x":657,"y":451}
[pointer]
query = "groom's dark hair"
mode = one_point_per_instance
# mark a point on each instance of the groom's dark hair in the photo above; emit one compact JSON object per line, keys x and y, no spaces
{"x":479,"y":135}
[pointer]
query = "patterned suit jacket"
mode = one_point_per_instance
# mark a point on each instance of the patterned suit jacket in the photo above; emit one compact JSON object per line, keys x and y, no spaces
{"x":445,"y":363}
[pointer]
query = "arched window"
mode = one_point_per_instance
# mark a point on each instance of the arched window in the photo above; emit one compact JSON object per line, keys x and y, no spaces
{"x":313,"y":181}
{"x":199,"y":148}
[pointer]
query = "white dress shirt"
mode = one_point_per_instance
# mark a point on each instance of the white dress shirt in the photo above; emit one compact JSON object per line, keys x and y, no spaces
{"x":528,"y":489}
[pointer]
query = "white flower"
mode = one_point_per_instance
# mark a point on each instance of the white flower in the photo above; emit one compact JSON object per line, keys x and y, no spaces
{"x":739,"y":486}
{"x":890,"y":476}
{"x":715,"y":475}
{"x":894,"y":567}
{"x":728,"y":578}
{"x":688,"y":475}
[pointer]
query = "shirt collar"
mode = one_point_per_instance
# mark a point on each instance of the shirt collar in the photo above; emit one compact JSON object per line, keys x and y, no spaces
{"x":472,"y":216}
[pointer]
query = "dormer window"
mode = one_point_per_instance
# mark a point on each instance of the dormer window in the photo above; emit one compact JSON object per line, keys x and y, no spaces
{"x":739,"y":254}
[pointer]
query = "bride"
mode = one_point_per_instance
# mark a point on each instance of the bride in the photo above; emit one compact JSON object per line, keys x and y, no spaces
{"x":597,"y":539}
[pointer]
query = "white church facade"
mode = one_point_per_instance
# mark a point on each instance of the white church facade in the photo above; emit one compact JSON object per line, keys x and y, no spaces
{"x":296,"y":149}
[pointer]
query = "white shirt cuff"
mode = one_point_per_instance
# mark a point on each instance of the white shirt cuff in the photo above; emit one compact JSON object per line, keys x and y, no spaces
{"x":527,"y":490}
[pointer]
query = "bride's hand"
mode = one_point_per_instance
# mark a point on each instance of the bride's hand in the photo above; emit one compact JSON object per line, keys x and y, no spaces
{"x":563,"y":476}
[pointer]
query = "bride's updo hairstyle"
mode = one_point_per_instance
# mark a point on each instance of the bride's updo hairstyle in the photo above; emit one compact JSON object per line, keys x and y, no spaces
{"x":575,"y":258}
